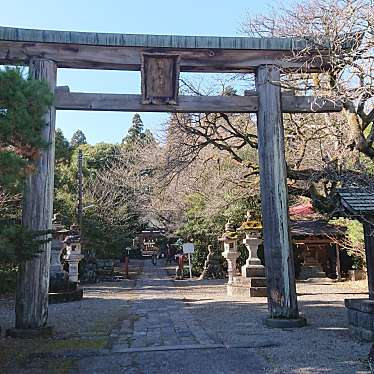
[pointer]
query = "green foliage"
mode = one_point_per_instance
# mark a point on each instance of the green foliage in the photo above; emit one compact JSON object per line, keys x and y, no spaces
{"x":136,"y":133}
{"x":22,"y":105}
{"x":355,"y":232}
{"x":12,"y":170}
{"x":107,"y":240}
{"x":66,"y":189}
{"x":102,"y":236}
{"x":96,"y":157}
{"x":355,"y":242}
{"x":23,"y":102}
{"x":136,"y":129}
{"x":78,"y":139}
{"x":205,"y":229}
{"x":17,"y":244}
{"x":8,"y":275}
{"x":62,"y":147}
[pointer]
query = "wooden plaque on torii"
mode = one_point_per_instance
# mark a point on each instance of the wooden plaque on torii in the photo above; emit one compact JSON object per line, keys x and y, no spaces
{"x":160,"y":78}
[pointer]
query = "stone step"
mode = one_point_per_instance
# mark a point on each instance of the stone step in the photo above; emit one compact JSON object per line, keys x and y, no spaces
{"x":313,"y":267}
{"x":311,"y":271}
{"x":314,"y":273}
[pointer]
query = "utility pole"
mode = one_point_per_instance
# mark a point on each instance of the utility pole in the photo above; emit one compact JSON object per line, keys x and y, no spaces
{"x":80,"y":190}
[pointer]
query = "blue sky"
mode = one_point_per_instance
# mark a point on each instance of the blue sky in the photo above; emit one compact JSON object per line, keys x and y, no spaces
{"x":195,"y":17}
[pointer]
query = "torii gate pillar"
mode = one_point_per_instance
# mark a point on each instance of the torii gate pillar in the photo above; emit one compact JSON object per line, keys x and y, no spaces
{"x":33,"y":275}
{"x":282,"y":300}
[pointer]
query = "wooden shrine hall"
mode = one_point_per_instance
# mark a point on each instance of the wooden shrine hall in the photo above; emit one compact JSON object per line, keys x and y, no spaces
{"x":317,"y":242}
{"x":160,"y":59}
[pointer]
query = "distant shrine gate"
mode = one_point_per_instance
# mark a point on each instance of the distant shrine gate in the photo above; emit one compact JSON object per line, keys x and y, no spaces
{"x":160,"y":59}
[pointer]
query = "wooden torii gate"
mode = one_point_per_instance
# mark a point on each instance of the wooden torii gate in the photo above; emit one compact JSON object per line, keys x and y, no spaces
{"x":160,"y":59}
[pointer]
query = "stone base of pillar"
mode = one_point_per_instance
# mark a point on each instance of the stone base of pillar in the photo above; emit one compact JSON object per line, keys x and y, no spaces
{"x":280,"y":323}
{"x":250,"y":287}
{"x":65,"y":297}
{"x":44,"y":332}
{"x":252,"y":283}
{"x":361,"y":318}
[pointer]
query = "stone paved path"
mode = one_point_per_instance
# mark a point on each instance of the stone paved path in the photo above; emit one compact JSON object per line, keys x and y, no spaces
{"x":158,"y":334}
{"x":155,"y":324}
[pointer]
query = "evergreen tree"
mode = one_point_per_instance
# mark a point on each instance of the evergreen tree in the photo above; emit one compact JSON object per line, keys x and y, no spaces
{"x":22,"y":105}
{"x":148,"y":137}
{"x":137,"y":126}
{"x":136,"y":133}
{"x":62,"y":147}
{"x":78,"y":139}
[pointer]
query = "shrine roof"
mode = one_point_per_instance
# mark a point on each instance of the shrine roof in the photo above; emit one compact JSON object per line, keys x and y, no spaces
{"x":315,"y":228}
{"x":357,"y":200}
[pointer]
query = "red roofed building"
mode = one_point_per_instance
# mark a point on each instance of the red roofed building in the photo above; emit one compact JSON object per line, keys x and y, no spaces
{"x":315,"y":241}
{"x":302,"y":210}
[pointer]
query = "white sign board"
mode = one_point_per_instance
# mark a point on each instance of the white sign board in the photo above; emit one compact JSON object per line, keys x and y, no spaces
{"x":188,"y":248}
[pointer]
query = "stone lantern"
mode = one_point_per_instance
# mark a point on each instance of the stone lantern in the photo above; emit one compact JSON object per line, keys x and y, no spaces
{"x":62,"y":286}
{"x":253,"y":272}
{"x":73,"y":253}
{"x":57,"y":275}
{"x":230,"y":253}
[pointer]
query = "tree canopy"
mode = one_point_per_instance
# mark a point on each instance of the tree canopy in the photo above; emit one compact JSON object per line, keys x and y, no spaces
{"x":136,"y":132}
{"x":78,"y":139}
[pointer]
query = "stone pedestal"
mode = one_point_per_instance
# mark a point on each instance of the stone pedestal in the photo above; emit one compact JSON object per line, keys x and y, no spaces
{"x":56,"y":249}
{"x":61,"y":289}
{"x":57,"y":275}
{"x":73,"y":261}
{"x":72,"y":257}
{"x":253,"y":278}
{"x":250,"y":287}
{"x":231,"y":257}
{"x":361,"y":318}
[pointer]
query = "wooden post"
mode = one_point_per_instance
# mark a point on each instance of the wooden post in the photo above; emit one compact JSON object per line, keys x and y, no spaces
{"x":33,"y":275}
{"x":282,"y":301}
{"x":80,"y":190}
{"x":338,"y":271}
{"x":369,"y":250}
{"x":126,"y":267}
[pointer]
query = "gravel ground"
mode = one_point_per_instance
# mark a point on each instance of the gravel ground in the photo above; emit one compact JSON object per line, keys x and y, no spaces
{"x":80,"y":326}
{"x":324,"y":346}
